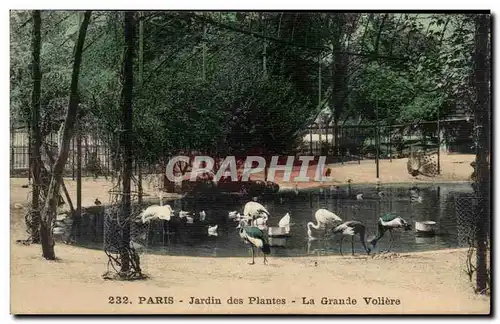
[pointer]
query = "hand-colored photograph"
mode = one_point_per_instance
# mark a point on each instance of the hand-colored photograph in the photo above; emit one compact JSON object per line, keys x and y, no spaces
{"x":250,"y":162}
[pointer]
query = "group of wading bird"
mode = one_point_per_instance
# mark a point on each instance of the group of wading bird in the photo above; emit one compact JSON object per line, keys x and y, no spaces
{"x":255,"y":216}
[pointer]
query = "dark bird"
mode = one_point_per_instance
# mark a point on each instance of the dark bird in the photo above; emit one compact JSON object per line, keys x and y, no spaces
{"x":352,"y":228}
{"x":97,"y":202}
{"x":389,"y":221}
{"x":256,"y":238}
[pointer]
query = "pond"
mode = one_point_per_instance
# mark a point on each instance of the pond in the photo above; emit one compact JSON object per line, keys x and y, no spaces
{"x":438,"y":203}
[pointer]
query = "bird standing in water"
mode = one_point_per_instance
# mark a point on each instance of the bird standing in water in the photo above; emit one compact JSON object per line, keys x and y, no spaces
{"x":256,"y":238}
{"x":324,"y":219}
{"x":388,"y":222}
{"x":352,"y":228}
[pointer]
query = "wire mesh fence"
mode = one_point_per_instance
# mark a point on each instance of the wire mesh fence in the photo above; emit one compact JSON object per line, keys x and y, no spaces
{"x":125,"y":237}
{"x":466,"y":212}
{"x":473,"y":227}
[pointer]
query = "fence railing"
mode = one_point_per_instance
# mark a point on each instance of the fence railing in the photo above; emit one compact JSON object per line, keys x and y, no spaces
{"x":96,"y":154}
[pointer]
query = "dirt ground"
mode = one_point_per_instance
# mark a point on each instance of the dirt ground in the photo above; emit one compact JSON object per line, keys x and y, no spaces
{"x":424,"y":283}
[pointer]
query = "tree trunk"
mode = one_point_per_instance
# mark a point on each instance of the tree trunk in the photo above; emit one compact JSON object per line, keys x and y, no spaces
{"x":125,"y":143}
{"x":51,"y":201}
{"x":35,"y":128}
{"x":482,"y":148}
{"x":77,"y":217}
{"x":78,"y":214}
{"x":339,"y":85}
{"x":141,"y":71}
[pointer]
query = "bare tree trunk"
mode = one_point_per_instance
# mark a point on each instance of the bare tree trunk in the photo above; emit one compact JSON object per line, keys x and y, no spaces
{"x":339,"y":85}
{"x":482,"y":149}
{"x":35,"y":128}
{"x":141,"y":71}
{"x":51,"y":201}
{"x":78,"y":214}
{"x":125,"y":143}
{"x":77,"y":217}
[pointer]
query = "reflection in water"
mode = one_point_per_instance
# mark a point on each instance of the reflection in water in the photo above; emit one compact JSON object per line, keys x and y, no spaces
{"x":426,"y":240}
{"x":437,"y":203}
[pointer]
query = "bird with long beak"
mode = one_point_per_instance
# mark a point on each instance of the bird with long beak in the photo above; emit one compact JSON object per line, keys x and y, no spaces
{"x":255,"y":237}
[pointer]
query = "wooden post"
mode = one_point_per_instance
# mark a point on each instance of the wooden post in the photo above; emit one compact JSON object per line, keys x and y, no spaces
{"x":439,"y":143}
{"x":390,"y":142}
{"x":11,"y":149}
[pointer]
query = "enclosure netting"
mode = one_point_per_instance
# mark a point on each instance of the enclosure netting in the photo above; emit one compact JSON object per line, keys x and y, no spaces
{"x":116,"y":245}
{"x":472,"y":212}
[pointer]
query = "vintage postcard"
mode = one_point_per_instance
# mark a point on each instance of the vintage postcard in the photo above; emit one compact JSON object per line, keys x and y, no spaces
{"x":236,"y":162}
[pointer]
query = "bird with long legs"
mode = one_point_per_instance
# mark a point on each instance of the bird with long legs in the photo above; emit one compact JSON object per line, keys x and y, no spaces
{"x":324,"y":219}
{"x":389,"y":222}
{"x":257,"y":213}
{"x":255,"y":237}
{"x":352,"y":228}
{"x":162,"y":212}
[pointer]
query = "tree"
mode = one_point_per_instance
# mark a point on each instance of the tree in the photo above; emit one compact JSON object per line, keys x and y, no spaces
{"x":51,"y":202}
{"x":126,"y":136}
{"x":482,"y":110}
{"x":36,"y":159}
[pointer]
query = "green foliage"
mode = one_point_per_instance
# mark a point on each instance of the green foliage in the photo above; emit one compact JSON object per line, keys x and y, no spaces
{"x":408,"y":66}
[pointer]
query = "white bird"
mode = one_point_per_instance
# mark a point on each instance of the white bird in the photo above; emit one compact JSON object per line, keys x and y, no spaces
{"x":415,"y":195}
{"x":254,"y":210}
{"x":156,"y":212}
{"x":183,"y":213}
{"x":203,"y":215}
{"x":186,"y":214}
{"x":18,"y":206}
{"x":359,"y":196}
{"x":351,"y":228}
{"x":285,"y":222}
{"x":234,"y":215}
{"x":417,"y":199}
{"x":212,"y":230}
{"x":324,"y":218}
